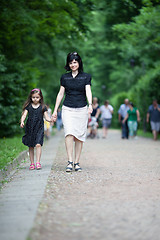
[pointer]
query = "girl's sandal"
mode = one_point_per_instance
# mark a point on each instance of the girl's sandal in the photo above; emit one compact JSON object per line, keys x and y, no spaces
{"x":77,"y":168}
{"x":32,"y":166}
{"x":69,"y":168}
{"x":38,"y":166}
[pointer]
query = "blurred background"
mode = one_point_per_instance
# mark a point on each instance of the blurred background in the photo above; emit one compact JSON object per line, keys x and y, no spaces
{"x":118,"y":40}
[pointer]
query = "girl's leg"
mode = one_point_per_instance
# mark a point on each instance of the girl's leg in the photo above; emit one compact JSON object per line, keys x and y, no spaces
{"x":38,"y":152}
{"x":31,"y":154}
{"x":69,"y":147}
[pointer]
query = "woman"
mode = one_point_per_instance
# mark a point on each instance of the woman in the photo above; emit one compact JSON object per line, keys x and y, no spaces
{"x":133,"y":116}
{"x":106,"y":116}
{"x":77,"y":86}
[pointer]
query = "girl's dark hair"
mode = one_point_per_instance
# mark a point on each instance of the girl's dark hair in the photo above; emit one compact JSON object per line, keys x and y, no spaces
{"x":74,"y":56}
{"x":29,"y":99}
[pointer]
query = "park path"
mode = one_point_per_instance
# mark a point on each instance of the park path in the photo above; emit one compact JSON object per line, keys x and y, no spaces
{"x":115,"y":197}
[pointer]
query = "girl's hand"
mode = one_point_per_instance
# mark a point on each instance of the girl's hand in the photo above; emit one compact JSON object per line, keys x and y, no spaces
{"x":22,"y":125}
{"x":90,"y":109}
{"x":54,"y":117}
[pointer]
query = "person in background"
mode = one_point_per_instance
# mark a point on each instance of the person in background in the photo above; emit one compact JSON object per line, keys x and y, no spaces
{"x":93,"y":119}
{"x":106,"y":117}
{"x":133,"y":117}
{"x":154,"y":115}
{"x":76,"y":85}
{"x":59,"y":119}
{"x":48,"y":125}
{"x":122,"y":112}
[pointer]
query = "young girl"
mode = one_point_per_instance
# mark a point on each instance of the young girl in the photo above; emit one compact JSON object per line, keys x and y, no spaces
{"x":34,"y":131}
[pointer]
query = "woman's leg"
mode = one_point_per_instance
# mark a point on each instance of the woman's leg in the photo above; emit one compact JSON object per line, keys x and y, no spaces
{"x":31,"y":154}
{"x":78,"y":149}
{"x":69,"y":147}
{"x":38,"y":152}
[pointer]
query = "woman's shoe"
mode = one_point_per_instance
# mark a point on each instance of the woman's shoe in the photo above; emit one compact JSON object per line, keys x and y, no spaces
{"x":77,"y":168}
{"x":32,"y":166}
{"x":38,"y":166}
{"x":69,"y":167}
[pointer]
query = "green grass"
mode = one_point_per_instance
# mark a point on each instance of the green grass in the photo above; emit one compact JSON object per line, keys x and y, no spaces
{"x":10,"y":148}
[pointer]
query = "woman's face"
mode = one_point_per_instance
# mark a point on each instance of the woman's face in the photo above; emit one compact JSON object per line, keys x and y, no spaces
{"x":74,"y":65}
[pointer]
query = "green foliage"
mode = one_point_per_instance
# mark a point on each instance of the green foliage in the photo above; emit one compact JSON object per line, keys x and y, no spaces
{"x":118,"y":41}
{"x":34,"y":39}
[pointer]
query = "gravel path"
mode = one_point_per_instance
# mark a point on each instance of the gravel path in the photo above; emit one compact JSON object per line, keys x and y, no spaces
{"x":115,"y":197}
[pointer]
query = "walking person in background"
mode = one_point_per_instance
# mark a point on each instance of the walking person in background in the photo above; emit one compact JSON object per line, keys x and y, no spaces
{"x":122,"y":112}
{"x":133,"y":117}
{"x":59,"y":119}
{"x":93,"y":119}
{"x":48,"y":125}
{"x":106,"y":116}
{"x":154,"y":115}
{"x":34,"y":131}
{"x":76,"y":85}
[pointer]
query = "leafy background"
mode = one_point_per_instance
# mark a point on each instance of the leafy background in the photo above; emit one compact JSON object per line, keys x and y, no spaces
{"x":118,"y":40}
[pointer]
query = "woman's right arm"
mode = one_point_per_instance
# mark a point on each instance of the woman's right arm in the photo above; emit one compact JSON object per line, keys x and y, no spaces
{"x":24,"y":115}
{"x":58,"y":101}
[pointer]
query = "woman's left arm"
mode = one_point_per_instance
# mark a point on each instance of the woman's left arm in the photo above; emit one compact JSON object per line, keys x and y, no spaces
{"x":138,"y":115}
{"x":89,"y":98}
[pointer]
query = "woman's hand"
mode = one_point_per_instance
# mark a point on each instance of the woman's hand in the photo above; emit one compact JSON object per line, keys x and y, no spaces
{"x":54,"y":116}
{"x":90,"y":109}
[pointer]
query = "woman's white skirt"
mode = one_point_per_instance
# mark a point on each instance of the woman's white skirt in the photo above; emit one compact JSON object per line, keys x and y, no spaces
{"x":75,"y":122}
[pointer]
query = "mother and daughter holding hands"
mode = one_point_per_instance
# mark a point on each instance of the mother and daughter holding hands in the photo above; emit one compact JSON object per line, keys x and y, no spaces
{"x":76,"y":85}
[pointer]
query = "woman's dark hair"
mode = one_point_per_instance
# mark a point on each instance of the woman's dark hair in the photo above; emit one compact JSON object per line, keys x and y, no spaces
{"x":74,"y":56}
{"x":131,"y":104}
{"x":29,"y":99}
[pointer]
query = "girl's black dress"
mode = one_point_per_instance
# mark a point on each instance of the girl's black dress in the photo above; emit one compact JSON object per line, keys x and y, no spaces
{"x":34,"y":130}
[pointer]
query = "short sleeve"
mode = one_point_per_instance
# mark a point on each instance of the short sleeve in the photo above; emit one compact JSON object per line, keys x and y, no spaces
{"x":120,"y":110}
{"x":27,"y":107}
{"x":62,"y":81}
{"x":111,"y":108}
{"x":45,"y":109}
{"x":88,"y":79}
{"x":149,"y":109}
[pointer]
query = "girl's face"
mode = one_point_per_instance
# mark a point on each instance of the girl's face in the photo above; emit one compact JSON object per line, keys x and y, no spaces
{"x":74,"y":65}
{"x":36,"y":98}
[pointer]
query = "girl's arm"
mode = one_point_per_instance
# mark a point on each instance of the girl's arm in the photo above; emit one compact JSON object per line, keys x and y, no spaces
{"x":89,"y":98}
{"x":47,"y":118}
{"x":24,"y":115}
{"x":138,"y":115}
{"x":58,"y":101}
{"x":126,"y":117}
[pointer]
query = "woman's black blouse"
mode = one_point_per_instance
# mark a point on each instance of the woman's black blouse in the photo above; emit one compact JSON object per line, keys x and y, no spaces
{"x":75,"y":94}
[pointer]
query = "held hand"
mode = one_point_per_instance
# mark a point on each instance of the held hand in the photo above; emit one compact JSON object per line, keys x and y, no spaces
{"x":123,"y":121}
{"x":54,"y":117}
